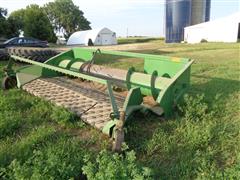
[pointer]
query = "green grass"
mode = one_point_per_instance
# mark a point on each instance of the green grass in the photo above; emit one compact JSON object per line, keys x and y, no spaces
{"x":201,"y":141}
{"x":131,"y":40}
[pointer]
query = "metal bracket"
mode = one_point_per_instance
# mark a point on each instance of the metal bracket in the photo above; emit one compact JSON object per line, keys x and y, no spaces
{"x":132,"y":102}
{"x":90,"y":62}
{"x":128,"y":78}
{"x":113,"y":101}
{"x":153,"y":80}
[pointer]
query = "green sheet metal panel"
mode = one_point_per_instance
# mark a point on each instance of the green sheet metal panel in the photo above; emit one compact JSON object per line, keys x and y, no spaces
{"x":84,"y":54}
{"x":164,"y":67}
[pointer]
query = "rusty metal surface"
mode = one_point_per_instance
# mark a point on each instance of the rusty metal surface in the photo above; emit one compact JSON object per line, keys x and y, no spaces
{"x":91,"y":105}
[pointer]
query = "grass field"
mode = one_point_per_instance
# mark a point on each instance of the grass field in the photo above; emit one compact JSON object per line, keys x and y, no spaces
{"x":132,"y":40}
{"x":200,"y":141}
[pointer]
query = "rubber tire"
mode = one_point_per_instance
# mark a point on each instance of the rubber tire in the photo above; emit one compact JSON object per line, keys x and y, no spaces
{"x":36,"y":54}
{"x":9,"y":82}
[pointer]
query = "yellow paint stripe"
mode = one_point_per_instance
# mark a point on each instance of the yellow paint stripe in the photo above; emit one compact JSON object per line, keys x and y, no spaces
{"x":176,"y":59}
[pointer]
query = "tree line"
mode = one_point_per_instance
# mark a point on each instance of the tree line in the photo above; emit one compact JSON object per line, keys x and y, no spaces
{"x":44,"y":22}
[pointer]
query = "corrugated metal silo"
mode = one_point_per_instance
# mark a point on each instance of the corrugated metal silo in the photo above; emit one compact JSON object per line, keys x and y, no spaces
{"x":208,"y":10}
{"x":182,"y":13}
{"x":178,"y":16}
{"x":200,"y":11}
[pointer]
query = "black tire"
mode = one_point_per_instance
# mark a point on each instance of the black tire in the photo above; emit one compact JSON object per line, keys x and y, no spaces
{"x":36,"y":54}
{"x":4,"y":55}
{"x":9,"y":82}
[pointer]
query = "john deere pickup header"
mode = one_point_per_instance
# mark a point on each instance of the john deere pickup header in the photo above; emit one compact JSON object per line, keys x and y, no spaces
{"x":164,"y":79}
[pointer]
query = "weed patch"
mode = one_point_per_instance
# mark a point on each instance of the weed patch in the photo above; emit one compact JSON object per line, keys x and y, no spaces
{"x":62,"y":116}
{"x":61,"y":161}
{"x":24,"y":146}
{"x":115,"y":166}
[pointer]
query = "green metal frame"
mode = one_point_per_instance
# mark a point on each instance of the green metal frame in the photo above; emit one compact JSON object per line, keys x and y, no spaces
{"x":164,"y":78}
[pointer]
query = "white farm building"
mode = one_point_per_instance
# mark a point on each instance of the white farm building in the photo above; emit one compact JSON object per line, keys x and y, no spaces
{"x":225,"y":29}
{"x":96,"y":37}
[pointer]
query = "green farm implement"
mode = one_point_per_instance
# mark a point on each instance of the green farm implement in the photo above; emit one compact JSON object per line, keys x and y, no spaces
{"x":164,"y":79}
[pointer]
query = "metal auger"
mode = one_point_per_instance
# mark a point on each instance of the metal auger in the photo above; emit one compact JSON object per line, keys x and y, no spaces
{"x":166,"y":79}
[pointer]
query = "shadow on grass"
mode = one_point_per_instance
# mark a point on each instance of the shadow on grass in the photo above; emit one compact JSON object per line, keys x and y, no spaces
{"x":211,"y":87}
{"x":140,"y":130}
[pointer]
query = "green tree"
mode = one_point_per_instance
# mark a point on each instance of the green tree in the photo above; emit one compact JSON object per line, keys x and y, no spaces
{"x":66,"y":17}
{"x":15,"y":23}
{"x":37,"y":24}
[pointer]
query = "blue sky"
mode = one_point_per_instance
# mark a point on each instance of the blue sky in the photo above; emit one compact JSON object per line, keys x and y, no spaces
{"x":140,"y":17}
